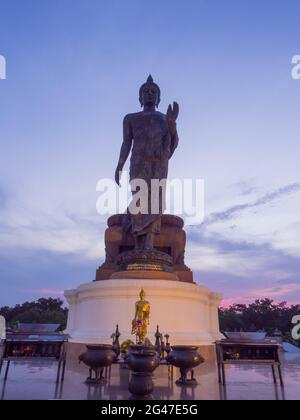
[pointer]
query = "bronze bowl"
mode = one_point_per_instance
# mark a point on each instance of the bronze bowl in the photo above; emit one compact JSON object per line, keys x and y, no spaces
{"x":145,"y":360}
{"x":97,"y":357}
{"x":142,"y":360}
{"x":186,"y":358}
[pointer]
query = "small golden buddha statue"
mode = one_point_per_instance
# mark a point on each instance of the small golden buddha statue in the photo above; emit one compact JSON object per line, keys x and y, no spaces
{"x":141,"y":318}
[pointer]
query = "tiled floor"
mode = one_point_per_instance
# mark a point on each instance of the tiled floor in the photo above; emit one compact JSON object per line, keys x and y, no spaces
{"x":37,"y":381}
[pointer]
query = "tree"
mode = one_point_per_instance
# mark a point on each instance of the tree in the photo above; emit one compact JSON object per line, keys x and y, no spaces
{"x":42,"y":311}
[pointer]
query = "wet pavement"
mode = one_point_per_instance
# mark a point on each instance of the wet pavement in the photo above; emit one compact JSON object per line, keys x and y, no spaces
{"x":36,"y":380}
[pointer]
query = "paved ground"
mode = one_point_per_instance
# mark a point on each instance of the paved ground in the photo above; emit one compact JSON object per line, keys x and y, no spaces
{"x":28,"y":381}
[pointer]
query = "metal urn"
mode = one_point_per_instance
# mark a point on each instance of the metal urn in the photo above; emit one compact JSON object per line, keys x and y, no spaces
{"x":186,"y":358}
{"x":97,"y":358}
{"x":142,"y":361}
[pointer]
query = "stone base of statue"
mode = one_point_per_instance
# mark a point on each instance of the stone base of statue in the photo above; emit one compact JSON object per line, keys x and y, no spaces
{"x":186,"y":311}
{"x":166,"y":257}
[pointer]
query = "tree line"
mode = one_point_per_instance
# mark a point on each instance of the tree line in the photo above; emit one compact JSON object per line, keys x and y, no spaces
{"x":261,"y":315}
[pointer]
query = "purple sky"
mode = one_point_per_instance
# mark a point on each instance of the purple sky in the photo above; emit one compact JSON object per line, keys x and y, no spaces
{"x":73,"y":72}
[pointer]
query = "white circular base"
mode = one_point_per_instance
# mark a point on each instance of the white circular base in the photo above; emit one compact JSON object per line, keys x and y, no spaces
{"x":187,"y":312}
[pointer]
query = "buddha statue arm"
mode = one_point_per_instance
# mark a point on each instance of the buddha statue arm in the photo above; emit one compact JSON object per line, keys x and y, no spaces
{"x":147,"y":314}
{"x":172,"y":115}
{"x":136,"y":311}
{"x":125,"y":149}
{"x":174,"y":144}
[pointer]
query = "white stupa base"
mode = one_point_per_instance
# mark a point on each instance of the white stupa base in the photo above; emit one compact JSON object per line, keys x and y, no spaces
{"x":186,"y":311}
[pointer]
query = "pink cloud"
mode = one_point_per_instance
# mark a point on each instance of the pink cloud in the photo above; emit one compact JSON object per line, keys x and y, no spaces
{"x":278,"y":294}
{"x":46,"y":292}
{"x":237,"y":300}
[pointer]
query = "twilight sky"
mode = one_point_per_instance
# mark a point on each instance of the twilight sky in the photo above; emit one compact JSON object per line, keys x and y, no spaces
{"x":74,"y":68}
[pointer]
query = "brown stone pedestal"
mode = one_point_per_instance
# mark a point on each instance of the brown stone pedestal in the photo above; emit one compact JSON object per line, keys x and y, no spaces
{"x":170,"y":241}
